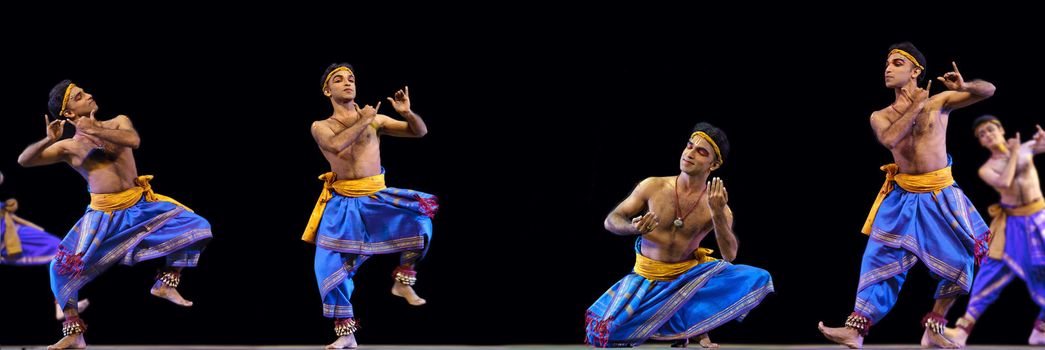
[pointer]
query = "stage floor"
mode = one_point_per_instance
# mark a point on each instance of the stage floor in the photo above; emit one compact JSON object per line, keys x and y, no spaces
{"x":506,"y":347}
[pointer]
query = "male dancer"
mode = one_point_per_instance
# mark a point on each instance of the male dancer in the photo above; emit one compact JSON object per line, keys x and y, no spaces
{"x":925,"y":216}
{"x":1017,"y":225}
{"x":356,"y":215}
{"x":23,"y":243}
{"x":126,"y":221}
{"x":677,"y":291}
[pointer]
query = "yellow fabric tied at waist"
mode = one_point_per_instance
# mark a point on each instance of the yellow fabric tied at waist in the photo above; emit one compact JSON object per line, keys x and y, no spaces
{"x":704,"y":255}
{"x":661,"y":271}
{"x":349,"y":188}
{"x":12,"y":242}
{"x":110,"y":202}
{"x":999,"y":216}
{"x":931,"y":182}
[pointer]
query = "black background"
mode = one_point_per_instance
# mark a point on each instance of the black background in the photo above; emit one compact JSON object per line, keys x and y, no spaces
{"x":540,"y":123}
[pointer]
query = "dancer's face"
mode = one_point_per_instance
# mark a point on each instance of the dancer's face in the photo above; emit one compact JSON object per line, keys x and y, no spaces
{"x":342,"y":86}
{"x":899,"y":71}
{"x":990,"y":134}
{"x":698,"y":156}
{"x":80,"y":103}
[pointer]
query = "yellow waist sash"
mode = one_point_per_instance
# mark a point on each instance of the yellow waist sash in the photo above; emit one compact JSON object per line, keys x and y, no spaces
{"x":931,"y":182}
{"x":110,"y":202}
{"x":998,"y":217}
{"x":348,"y":188}
{"x":661,"y":271}
{"x":12,"y":242}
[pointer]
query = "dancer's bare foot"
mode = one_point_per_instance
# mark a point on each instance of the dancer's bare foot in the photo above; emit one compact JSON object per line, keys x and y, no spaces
{"x":705,"y":342}
{"x":407,"y":292}
{"x":163,"y":291}
{"x":80,"y":306}
{"x":1037,"y":337}
{"x":936,"y":340}
{"x":74,"y":341}
{"x":703,"y":339}
{"x":345,"y":342}
{"x":957,"y":335}
{"x":842,"y":335}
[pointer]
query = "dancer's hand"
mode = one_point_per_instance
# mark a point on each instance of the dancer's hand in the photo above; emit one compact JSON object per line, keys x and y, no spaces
{"x":1014,"y":145}
{"x":921,"y":97}
{"x":646,"y":223}
{"x":367,"y":113}
{"x":953,"y":80}
{"x":87,"y":125}
{"x":54,"y":128}
{"x":717,"y":195}
{"x":401,"y":102}
{"x":918,"y":97}
{"x":1039,"y":140}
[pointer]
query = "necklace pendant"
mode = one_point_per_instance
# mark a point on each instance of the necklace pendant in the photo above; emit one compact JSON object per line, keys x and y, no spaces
{"x":678,"y":222}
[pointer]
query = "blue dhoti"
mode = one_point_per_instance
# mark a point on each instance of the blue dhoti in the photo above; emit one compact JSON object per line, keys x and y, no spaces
{"x":359,"y":218}
{"x":928,"y":218}
{"x":145,"y":226}
{"x":1017,"y":250}
{"x":702,"y":298}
